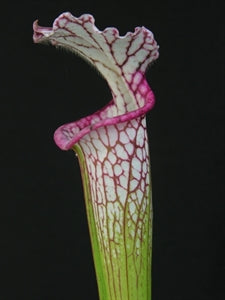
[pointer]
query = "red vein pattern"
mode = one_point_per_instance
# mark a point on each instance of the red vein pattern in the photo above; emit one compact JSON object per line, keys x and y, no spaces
{"x":112,"y":148}
{"x":117,"y":162}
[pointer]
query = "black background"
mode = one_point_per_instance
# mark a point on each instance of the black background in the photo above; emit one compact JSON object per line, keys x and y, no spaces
{"x":45,"y":248}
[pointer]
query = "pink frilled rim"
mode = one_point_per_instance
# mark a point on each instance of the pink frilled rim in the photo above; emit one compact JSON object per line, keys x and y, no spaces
{"x":122,"y":60}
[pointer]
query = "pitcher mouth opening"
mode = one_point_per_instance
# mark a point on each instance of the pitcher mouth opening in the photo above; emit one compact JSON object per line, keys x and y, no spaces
{"x":69,"y":134}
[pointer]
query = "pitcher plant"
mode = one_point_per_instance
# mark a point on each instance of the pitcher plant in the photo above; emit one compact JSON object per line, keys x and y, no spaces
{"x":113,"y":152}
